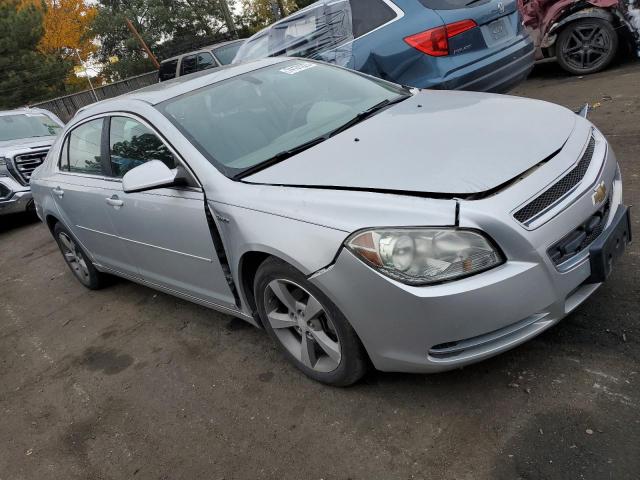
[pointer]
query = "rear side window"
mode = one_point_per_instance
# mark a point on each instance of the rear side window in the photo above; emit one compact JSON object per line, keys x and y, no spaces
{"x":446,"y":4}
{"x":367,"y":15}
{"x":83,"y":149}
{"x":205,"y":60}
{"x":189,"y":65}
{"x":168,"y":70}
{"x":131,"y":144}
{"x":227,"y":53}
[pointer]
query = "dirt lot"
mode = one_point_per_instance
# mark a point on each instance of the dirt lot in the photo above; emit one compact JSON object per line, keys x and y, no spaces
{"x":131,"y":383}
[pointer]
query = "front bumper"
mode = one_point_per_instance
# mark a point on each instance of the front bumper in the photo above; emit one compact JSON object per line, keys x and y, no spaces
{"x":440,"y":327}
{"x":18,"y":200}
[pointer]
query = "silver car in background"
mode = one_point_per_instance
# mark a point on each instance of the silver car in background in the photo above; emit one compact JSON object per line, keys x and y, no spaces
{"x":26,"y":135}
{"x":357,"y":221}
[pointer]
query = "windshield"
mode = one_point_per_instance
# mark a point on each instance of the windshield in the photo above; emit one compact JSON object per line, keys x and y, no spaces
{"x":27,"y":125}
{"x":242,"y":122}
{"x":226,"y":53}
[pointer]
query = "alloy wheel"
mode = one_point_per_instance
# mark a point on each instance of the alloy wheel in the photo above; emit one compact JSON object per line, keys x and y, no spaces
{"x":74,"y":257}
{"x":302,"y":325}
{"x":587,"y":46}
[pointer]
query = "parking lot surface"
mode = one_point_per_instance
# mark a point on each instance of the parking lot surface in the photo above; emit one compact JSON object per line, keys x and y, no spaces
{"x":131,"y":383}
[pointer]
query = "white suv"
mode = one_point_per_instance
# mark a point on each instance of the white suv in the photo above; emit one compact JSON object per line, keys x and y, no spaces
{"x":214,"y":56}
{"x":25,"y":138}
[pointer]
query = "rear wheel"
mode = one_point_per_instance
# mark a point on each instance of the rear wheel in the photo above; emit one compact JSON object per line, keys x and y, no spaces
{"x":586,"y":46}
{"x":313,"y":334}
{"x":78,"y":262}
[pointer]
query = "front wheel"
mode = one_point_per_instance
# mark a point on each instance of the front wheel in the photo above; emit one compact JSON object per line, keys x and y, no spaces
{"x":313,"y":334}
{"x":586,"y":46}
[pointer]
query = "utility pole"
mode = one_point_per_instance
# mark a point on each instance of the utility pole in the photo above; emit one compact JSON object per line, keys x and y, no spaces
{"x":146,"y":48}
{"x":86,"y":73}
{"x":228,"y":19}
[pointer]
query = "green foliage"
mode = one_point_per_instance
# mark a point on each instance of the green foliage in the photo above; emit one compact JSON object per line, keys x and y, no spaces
{"x":304,"y":3}
{"x":163,"y":24}
{"x":27,"y":75}
{"x":258,"y":14}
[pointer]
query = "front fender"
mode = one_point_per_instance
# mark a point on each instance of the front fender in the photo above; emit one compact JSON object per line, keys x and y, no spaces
{"x":306,"y":246}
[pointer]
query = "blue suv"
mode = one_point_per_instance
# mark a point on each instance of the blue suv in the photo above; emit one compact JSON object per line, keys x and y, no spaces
{"x":447,"y":44}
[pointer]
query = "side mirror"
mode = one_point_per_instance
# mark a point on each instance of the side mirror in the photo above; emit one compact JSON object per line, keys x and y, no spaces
{"x":149,"y":175}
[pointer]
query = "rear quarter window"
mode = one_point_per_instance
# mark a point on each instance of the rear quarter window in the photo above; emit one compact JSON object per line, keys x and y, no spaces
{"x":447,"y":4}
{"x":367,"y":15}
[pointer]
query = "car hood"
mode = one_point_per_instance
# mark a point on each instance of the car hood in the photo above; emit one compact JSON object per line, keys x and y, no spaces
{"x":26,"y":143}
{"x":435,"y":142}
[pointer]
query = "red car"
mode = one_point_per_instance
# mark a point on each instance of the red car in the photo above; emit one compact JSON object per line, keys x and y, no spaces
{"x":585,"y":35}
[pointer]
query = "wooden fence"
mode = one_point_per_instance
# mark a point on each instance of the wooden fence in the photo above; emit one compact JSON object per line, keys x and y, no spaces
{"x":65,"y":107}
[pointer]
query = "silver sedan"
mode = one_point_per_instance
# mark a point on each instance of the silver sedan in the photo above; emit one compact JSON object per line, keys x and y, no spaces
{"x":357,"y":221}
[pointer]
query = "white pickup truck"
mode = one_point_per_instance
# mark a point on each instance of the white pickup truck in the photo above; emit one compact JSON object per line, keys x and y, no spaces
{"x":25,"y":138}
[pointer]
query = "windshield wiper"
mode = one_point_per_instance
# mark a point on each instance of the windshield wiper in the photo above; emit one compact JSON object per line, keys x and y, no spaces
{"x":368,"y":113}
{"x":279,"y":157}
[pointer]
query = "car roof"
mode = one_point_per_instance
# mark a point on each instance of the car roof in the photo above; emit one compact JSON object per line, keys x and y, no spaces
{"x":159,"y":92}
{"x":208,"y":47}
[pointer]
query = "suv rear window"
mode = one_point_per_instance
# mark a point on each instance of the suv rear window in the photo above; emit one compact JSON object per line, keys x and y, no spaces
{"x":367,"y":15}
{"x":168,"y":70}
{"x":226,"y":53}
{"x":447,"y":4}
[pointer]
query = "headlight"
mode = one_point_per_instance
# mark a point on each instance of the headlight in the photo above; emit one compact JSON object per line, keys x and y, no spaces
{"x":3,"y":167}
{"x":422,"y":256}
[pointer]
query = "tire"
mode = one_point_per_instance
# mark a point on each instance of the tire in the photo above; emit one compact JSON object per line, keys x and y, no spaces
{"x":77,"y":260}
{"x":586,"y":46}
{"x":314,"y":335}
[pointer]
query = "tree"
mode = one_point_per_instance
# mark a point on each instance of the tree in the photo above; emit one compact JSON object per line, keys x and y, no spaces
{"x":161,"y":23}
{"x":259,"y":13}
{"x":28,"y":74}
{"x":304,"y":3}
{"x":66,"y":26}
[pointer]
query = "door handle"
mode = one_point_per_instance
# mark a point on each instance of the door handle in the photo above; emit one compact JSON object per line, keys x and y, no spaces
{"x":114,"y":201}
{"x":58,"y":192}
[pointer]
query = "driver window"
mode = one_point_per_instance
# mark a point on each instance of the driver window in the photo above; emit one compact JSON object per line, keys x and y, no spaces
{"x":131,"y":144}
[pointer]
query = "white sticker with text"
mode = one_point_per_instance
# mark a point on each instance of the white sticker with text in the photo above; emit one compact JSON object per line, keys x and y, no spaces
{"x":297,"y":68}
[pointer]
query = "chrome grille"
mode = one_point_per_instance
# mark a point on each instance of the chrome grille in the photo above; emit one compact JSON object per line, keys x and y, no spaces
{"x":25,"y":163}
{"x":558,"y":189}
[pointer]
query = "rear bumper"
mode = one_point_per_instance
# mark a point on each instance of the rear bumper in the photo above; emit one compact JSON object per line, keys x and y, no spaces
{"x":18,"y":200}
{"x":497,"y":73}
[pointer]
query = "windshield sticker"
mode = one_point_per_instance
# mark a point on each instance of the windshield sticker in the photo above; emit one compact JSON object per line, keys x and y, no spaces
{"x":297,"y":68}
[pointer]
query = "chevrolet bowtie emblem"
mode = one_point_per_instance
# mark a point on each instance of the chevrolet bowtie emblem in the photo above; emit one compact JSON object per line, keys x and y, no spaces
{"x":599,"y":194}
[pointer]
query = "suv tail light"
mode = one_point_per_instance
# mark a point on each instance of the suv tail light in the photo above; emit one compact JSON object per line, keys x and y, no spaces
{"x":435,"y":42}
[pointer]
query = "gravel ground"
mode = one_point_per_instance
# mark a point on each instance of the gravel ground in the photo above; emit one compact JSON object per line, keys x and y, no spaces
{"x":131,"y":383}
